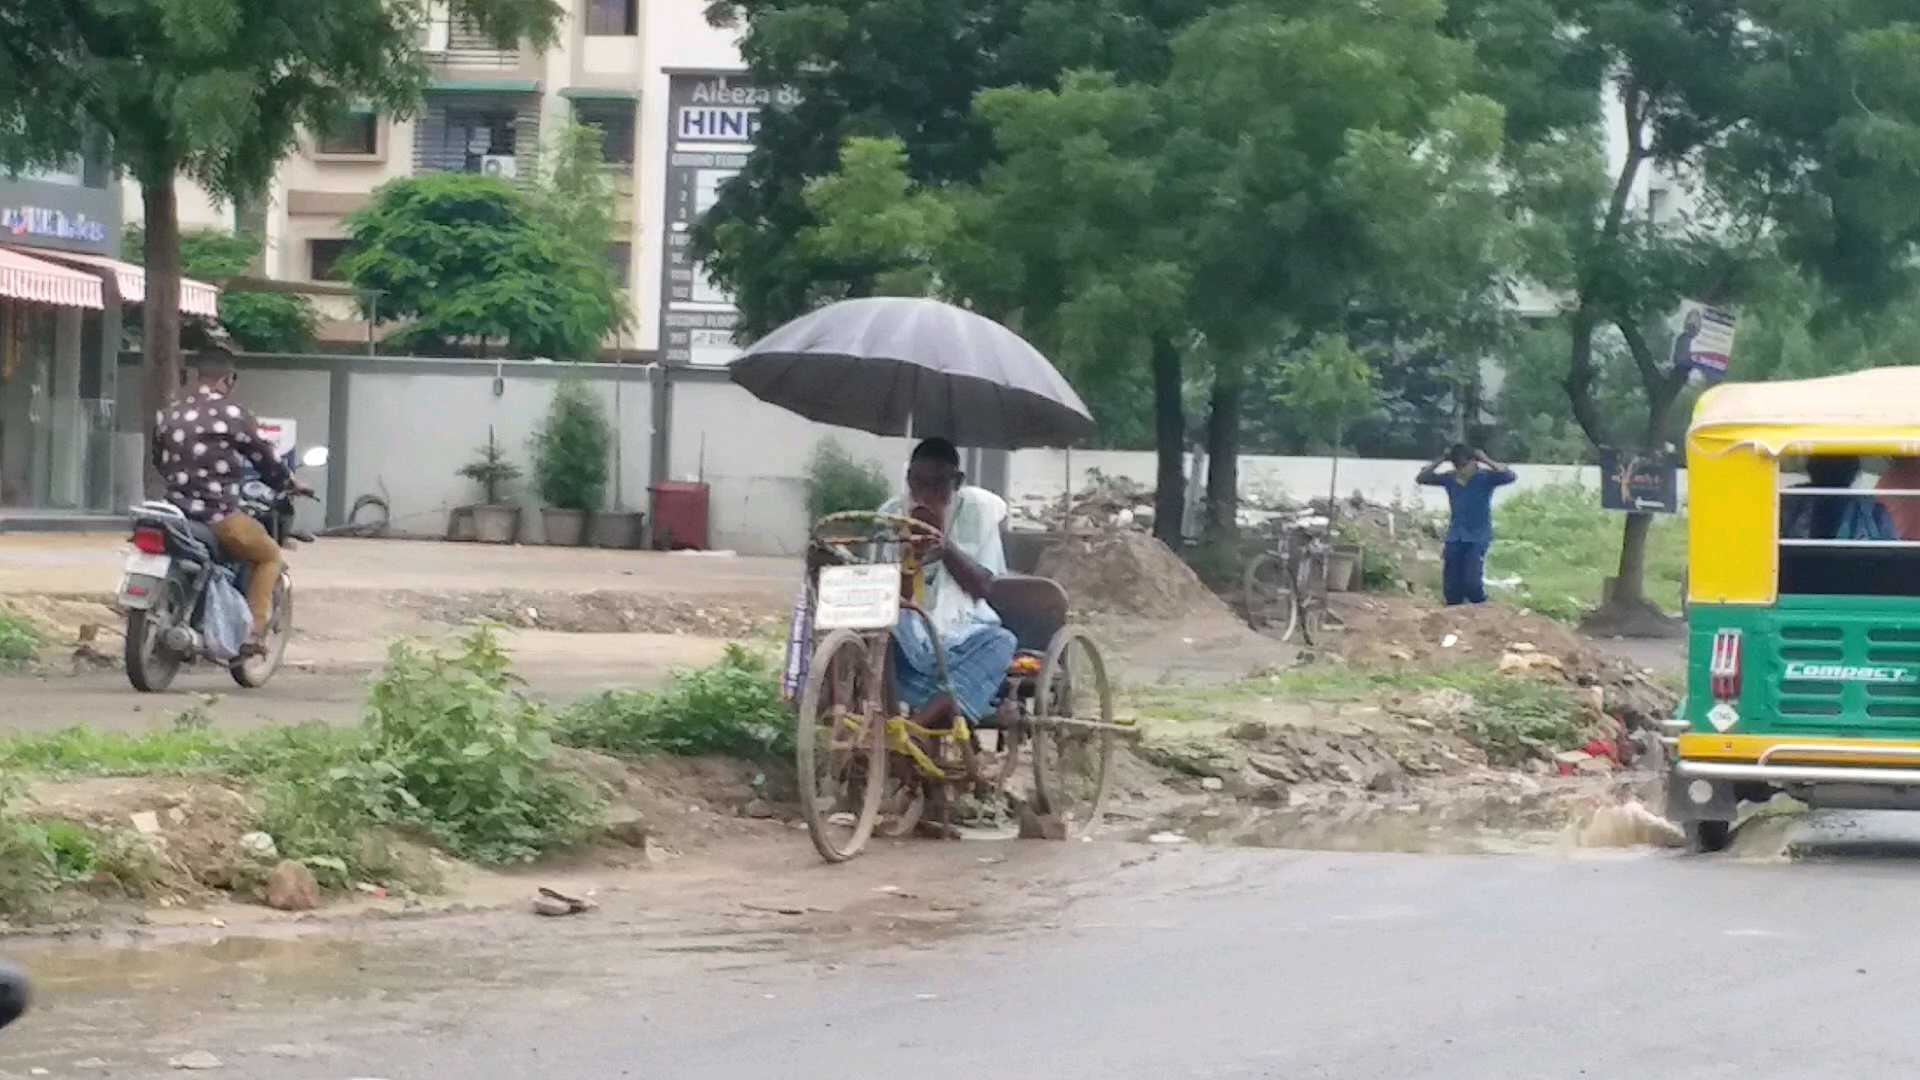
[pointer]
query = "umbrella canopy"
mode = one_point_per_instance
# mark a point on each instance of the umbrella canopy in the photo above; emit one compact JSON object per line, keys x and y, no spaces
{"x":904,"y":366}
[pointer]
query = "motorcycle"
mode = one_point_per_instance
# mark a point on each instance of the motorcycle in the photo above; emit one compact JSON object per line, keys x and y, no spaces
{"x":173,"y":563}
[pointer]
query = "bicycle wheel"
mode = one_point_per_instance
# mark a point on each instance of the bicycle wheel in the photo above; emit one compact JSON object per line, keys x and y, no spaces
{"x":1071,"y":766}
{"x":839,"y":748}
{"x":1269,"y":596}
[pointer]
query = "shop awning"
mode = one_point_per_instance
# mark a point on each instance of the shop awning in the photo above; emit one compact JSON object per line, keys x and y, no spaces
{"x":196,"y":297}
{"x":23,"y":277}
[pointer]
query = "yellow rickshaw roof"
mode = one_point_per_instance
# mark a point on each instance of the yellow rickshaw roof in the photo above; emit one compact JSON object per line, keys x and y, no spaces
{"x":1876,"y":411}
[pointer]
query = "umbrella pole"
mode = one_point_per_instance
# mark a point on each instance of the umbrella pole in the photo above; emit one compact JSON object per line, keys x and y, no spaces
{"x":1066,"y":497}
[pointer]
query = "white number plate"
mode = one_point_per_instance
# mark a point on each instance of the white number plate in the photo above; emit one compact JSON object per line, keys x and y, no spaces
{"x":147,"y":565}
{"x":858,"y":598}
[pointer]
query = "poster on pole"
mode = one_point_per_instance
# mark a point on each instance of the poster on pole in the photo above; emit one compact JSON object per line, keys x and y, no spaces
{"x":712,"y":120}
{"x":1703,"y":340}
{"x":1639,"y":482}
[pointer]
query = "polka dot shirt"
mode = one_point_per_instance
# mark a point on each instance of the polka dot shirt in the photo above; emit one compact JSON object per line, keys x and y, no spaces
{"x":205,"y":446}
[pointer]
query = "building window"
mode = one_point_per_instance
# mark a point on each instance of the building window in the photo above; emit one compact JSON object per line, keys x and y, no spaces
{"x":355,"y":134}
{"x":620,"y":257}
{"x":324,"y":257}
{"x":613,"y":18}
{"x":475,"y":136}
{"x":615,"y":121}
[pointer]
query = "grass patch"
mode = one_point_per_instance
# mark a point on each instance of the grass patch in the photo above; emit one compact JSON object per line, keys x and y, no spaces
{"x":1560,"y":543}
{"x":732,"y":708}
{"x":20,"y":642}
{"x":450,"y":751}
{"x":1513,"y":718}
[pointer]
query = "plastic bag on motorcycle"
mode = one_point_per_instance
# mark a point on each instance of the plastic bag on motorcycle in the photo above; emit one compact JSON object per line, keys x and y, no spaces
{"x":227,"y":623}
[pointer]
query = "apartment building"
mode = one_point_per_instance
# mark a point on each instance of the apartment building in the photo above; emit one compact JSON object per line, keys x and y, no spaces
{"x":615,"y":66}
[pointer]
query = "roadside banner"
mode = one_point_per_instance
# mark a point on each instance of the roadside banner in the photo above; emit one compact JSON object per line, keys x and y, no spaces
{"x":1703,"y":340}
{"x":1639,"y":482}
{"x":281,"y":433}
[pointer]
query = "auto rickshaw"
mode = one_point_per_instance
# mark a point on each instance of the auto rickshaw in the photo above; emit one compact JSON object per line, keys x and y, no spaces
{"x":1803,"y":670}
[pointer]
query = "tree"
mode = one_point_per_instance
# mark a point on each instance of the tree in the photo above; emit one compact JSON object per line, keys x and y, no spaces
{"x":471,"y":261}
{"x":1329,"y":386}
{"x":570,"y":449}
{"x":258,"y":322}
{"x":1791,"y":124}
{"x":213,"y":91}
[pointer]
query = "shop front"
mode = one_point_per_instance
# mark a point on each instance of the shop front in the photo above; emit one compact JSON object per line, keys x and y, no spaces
{"x":62,"y":290}
{"x":59,"y":333}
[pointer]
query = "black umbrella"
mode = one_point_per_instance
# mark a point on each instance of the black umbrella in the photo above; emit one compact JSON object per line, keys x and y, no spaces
{"x":904,"y":366}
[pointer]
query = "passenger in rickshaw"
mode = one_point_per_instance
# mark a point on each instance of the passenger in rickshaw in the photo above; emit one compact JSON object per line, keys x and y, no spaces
{"x":958,"y":574}
{"x":1835,"y":517}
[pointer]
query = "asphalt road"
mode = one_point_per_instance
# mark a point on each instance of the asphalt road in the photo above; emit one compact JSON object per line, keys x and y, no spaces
{"x":1064,"y":962}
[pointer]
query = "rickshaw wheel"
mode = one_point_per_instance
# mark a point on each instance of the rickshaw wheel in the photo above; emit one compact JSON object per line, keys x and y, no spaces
{"x":1269,"y":596}
{"x":842,"y":766}
{"x":1072,"y":766}
{"x":903,"y":801}
{"x":1705,"y":837}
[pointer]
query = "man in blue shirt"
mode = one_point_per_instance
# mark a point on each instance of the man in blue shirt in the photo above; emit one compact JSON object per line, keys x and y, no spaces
{"x":1469,"y":487}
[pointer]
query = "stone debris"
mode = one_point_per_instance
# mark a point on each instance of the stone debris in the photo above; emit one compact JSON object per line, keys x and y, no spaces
{"x":292,"y":887}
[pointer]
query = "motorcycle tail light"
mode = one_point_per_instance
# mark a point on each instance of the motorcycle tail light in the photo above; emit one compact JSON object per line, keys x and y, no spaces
{"x":1723,"y":671}
{"x":150,"y":541}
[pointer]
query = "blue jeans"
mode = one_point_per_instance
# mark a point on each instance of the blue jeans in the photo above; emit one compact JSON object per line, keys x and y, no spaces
{"x":1463,"y":572}
{"x":977,"y":662}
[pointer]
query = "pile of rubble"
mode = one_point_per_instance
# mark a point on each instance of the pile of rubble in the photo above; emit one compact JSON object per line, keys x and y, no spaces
{"x":1105,"y":503}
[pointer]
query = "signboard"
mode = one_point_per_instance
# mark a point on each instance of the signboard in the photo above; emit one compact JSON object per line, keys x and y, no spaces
{"x":858,"y":598}
{"x":1703,"y":340}
{"x":1639,"y":483}
{"x":282,"y":434}
{"x":47,"y":223}
{"x":712,"y":120}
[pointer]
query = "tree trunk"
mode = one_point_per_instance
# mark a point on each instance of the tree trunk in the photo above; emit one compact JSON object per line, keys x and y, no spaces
{"x":160,"y":327}
{"x":1223,"y":451}
{"x":1630,"y":587}
{"x":1170,"y":441}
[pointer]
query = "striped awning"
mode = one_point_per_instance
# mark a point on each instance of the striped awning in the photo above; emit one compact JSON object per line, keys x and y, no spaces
{"x":26,"y":278}
{"x":196,"y":297}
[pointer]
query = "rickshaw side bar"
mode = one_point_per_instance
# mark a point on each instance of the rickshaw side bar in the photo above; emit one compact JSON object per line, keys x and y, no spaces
{"x":1796,"y":774}
{"x":1875,"y":492}
{"x":1877,"y":545}
{"x":1838,"y":750}
{"x":1129,"y":730}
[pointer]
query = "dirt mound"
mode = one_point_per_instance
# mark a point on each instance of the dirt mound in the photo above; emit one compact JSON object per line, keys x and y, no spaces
{"x":601,"y":612}
{"x":1385,"y":631}
{"x":1128,"y":573}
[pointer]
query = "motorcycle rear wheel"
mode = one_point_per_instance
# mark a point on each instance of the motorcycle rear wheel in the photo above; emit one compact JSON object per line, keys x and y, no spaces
{"x":150,"y":667}
{"x":254,"y":671}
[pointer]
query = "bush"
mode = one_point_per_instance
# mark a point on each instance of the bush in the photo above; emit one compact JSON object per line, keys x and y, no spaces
{"x":836,"y":483}
{"x":463,"y":755}
{"x":570,"y":450}
{"x":1560,"y":543}
{"x":732,"y":708}
{"x":19,"y":641}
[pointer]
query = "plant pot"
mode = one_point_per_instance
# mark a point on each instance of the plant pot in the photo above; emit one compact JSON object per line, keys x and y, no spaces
{"x":496,"y":524}
{"x":565,"y":528}
{"x":618,"y":529}
{"x":1343,"y":565}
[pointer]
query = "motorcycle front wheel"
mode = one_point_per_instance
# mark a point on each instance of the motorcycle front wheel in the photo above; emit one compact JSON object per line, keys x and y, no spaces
{"x":254,"y":671}
{"x":150,"y":667}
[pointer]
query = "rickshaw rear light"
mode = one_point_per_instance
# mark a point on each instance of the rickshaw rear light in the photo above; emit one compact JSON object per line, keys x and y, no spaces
{"x":1723,"y":669}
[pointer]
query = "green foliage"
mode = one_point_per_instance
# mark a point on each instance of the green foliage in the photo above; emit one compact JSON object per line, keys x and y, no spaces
{"x":464,"y":755}
{"x":837,"y":483}
{"x":1328,"y":387}
{"x":491,"y":469}
{"x":874,"y":221}
{"x":570,"y":449}
{"x":259,"y":322}
{"x":20,"y":642}
{"x":1560,"y":543}
{"x":732,"y":708}
{"x":473,"y":261}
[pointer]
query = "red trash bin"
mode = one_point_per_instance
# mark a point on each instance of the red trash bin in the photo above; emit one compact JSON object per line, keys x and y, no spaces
{"x":680,"y":516}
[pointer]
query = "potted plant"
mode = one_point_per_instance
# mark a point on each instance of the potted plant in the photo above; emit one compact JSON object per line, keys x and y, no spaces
{"x":570,"y":461}
{"x":491,"y":522}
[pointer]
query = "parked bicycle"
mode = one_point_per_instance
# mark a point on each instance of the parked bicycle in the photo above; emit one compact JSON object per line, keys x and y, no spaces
{"x":1285,"y":589}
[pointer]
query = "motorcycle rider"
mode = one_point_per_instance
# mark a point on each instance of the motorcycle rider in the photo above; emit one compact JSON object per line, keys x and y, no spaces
{"x":205,"y":445}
